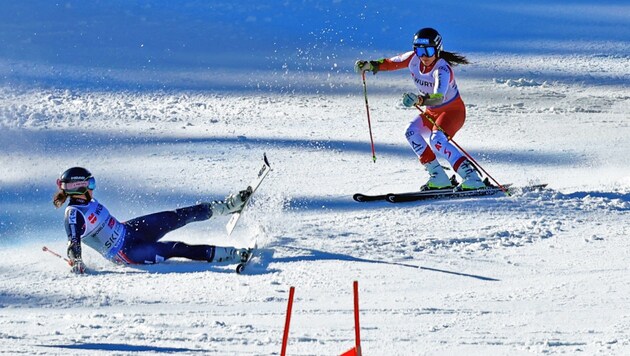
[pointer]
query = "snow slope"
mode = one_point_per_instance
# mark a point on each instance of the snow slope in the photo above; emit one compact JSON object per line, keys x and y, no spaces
{"x":163,"y":104}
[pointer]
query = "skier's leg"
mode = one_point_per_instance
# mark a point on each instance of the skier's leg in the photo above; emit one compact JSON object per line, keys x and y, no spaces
{"x":451,"y":121}
{"x":152,"y":227}
{"x":149,"y":253}
{"x":415,"y":133}
{"x":444,"y":148}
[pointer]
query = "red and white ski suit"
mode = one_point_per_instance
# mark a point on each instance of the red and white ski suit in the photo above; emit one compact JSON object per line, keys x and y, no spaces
{"x":449,"y":115}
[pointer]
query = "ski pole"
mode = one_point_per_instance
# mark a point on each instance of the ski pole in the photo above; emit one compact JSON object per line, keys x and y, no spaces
{"x":432,"y":120}
{"x":46,"y":249}
{"x":367,"y":108}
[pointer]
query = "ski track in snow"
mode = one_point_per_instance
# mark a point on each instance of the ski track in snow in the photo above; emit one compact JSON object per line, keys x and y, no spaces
{"x":535,"y":273}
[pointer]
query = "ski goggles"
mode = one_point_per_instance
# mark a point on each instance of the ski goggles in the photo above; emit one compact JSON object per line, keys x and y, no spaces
{"x":77,"y":187}
{"x":424,"y":51}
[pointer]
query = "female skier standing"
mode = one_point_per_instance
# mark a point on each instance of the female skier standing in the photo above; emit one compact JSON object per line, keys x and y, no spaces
{"x":431,"y":71}
{"x":135,"y":241}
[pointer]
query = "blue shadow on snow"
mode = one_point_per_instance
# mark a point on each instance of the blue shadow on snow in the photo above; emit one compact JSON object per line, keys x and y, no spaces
{"x":124,"y":348}
{"x":316,"y":255}
{"x":50,"y":142}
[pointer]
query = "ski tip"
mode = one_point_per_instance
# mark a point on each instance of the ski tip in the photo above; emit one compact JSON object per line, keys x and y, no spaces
{"x":266,"y":159}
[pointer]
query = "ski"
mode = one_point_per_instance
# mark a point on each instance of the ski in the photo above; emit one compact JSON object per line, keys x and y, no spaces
{"x":253,"y":186}
{"x":453,"y":194}
{"x":444,"y":194}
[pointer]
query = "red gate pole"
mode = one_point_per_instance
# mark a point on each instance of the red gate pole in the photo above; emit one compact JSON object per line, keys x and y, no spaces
{"x":357,"y":327}
{"x":285,"y":338}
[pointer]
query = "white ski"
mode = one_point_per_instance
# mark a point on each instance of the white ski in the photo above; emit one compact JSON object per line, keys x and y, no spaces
{"x":253,"y":186}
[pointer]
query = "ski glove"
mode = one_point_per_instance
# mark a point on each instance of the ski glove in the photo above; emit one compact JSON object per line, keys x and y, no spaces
{"x":366,"y":66}
{"x":410,"y":99}
{"x":77,"y":266}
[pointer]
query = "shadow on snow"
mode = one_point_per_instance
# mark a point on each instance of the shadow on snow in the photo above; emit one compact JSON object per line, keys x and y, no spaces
{"x":38,"y":195}
{"x":124,"y":348}
{"x":55,"y":142}
{"x":317,"y":255}
{"x":263,"y":257}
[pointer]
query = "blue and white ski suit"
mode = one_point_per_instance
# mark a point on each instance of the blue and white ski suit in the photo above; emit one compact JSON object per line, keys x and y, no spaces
{"x":135,"y":241}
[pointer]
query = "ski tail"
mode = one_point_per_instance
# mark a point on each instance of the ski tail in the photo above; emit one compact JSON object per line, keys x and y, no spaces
{"x":362,"y":198}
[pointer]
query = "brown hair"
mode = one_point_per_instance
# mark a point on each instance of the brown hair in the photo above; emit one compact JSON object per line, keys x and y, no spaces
{"x":453,"y":58}
{"x":59,"y":198}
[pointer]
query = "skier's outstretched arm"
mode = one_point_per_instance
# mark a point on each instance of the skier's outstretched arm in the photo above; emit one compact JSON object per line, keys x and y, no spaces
{"x":75,"y":222}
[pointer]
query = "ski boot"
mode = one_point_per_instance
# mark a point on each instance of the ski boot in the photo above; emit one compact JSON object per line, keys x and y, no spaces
{"x":470,"y":177}
{"x":233,"y":203}
{"x":438,"y":179}
{"x":230,"y":254}
{"x":245,"y":254}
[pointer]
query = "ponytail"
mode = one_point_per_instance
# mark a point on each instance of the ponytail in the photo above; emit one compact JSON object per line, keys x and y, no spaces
{"x":453,"y":58}
{"x":59,"y":198}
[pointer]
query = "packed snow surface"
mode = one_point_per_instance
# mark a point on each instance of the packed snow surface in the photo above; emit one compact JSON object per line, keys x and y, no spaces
{"x":169,"y":104}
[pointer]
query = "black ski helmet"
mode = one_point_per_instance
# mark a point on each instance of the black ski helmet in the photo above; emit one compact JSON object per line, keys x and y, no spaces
{"x":428,"y":37}
{"x":76,"y":181}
